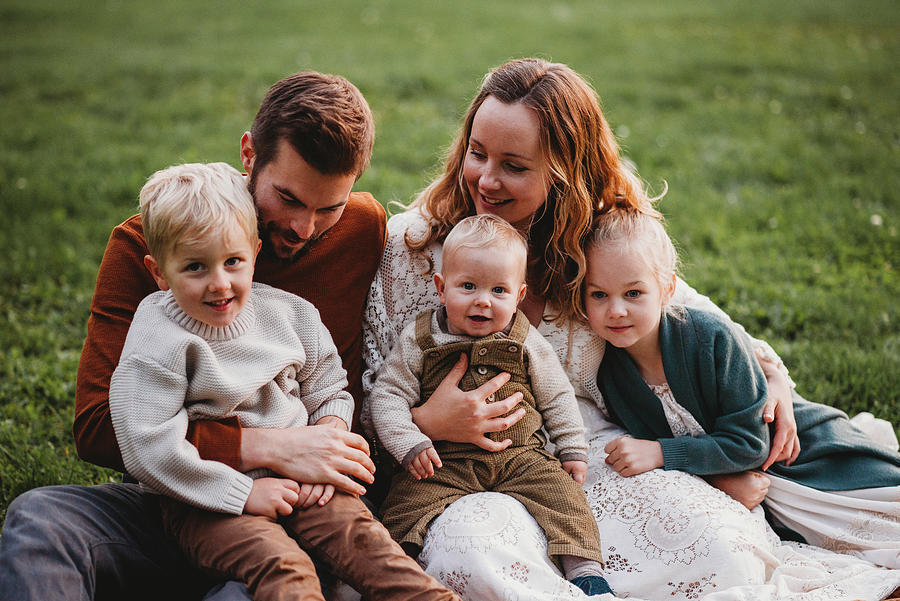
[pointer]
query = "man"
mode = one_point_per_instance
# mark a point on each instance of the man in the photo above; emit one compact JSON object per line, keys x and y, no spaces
{"x":310,"y":141}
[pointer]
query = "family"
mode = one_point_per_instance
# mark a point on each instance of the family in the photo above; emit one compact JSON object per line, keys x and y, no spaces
{"x":553,"y":412}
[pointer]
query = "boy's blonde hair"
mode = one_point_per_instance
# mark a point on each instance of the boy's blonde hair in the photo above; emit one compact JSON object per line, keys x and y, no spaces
{"x":486,"y":231}
{"x":641,"y":234}
{"x":185,"y":203}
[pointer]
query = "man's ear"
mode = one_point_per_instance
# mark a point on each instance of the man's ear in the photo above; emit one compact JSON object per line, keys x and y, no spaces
{"x":248,"y":154}
{"x":153,"y":267}
{"x":439,"y":284}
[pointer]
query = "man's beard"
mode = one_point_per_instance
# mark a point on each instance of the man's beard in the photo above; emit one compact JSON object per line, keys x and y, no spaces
{"x":265,"y":232}
{"x":268,"y":248}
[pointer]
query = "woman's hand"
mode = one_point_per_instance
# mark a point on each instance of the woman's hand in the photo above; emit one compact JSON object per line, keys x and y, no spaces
{"x":457,"y":416}
{"x":780,"y":408}
{"x":632,"y":456}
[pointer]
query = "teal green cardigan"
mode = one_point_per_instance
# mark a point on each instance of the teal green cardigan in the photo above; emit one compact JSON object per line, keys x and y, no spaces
{"x":714,"y":375}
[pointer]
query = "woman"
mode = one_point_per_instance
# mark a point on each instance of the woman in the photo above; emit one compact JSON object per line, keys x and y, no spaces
{"x":535,"y":149}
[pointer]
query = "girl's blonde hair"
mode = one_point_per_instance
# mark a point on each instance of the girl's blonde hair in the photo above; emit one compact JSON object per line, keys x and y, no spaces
{"x":487,"y":231}
{"x":582,"y":155}
{"x":186,"y":203}
{"x":639,"y":234}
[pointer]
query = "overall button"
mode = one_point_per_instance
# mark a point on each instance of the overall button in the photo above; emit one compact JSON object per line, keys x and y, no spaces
{"x":513,"y":348}
{"x":482,"y":351}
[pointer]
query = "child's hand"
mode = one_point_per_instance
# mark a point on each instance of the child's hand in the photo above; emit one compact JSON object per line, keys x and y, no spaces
{"x":631,"y":456}
{"x":333,"y":421}
{"x":747,"y":488}
{"x":424,"y":463}
{"x":312,"y":494}
{"x":576,"y":469}
{"x":272,"y":497}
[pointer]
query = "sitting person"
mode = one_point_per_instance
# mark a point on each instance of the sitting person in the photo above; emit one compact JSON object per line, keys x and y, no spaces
{"x":691,"y":395}
{"x":211,"y":344}
{"x":480,"y":285}
{"x":535,"y":148}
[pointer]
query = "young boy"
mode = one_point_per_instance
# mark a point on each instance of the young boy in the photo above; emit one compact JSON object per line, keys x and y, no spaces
{"x":480,"y":287}
{"x":211,"y":344}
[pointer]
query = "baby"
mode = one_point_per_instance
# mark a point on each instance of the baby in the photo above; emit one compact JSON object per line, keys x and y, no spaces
{"x":480,"y":286}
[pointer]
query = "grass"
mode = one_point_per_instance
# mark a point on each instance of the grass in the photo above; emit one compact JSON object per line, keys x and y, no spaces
{"x":775,"y":125}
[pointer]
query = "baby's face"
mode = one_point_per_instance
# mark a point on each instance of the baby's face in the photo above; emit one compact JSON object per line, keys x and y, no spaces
{"x":211,"y":277}
{"x":481,"y":288}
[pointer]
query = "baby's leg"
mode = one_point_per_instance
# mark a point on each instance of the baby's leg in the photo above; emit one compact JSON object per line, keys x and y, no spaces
{"x":253,"y":549}
{"x":357,"y":548}
{"x":748,"y":488}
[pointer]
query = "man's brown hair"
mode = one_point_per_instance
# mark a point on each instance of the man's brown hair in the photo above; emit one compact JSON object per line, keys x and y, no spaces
{"x":324,"y":117}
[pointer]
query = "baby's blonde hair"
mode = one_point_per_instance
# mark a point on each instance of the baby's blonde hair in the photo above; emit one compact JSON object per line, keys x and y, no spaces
{"x":642,"y":234}
{"x":186,"y":203}
{"x":486,"y":231}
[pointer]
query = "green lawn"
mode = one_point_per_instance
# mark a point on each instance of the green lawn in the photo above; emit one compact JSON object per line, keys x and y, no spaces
{"x":774,"y":123}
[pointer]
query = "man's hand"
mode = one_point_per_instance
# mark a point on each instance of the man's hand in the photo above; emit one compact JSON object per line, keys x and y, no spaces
{"x":423,"y":465}
{"x":272,"y":497}
{"x":576,"y":469}
{"x":322,"y":455}
{"x":457,"y":416}
{"x":632,"y":456}
{"x":780,"y":408}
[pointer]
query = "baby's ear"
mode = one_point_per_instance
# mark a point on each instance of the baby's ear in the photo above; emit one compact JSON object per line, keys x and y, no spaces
{"x":522,"y":292}
{"x":439,"y":284}
{"x":153,"y":267}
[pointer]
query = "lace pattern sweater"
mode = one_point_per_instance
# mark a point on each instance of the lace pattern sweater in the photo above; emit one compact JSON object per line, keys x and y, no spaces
{"x":274,"y":366}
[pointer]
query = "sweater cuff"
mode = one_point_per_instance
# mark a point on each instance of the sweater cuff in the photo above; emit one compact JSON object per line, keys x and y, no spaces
{"x":236,"y":496}
{"x":675,"y":455}
{"x":413,"y":452}
{"x":341,"y":406}
{"x":573,"y":456}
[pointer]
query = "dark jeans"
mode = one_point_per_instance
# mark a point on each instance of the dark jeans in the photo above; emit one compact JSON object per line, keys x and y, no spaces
{"x":85,"y":543}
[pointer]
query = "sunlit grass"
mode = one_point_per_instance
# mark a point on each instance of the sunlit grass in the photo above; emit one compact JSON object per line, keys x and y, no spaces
{"x":775,"y":125}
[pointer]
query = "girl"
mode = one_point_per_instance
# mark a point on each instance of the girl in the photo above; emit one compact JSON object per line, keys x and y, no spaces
{"x":688,"y":389}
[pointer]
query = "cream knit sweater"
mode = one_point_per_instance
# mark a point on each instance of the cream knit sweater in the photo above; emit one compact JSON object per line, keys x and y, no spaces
{"x":275,"y":366}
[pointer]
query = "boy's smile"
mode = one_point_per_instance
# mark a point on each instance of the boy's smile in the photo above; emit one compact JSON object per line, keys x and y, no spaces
{"x":211,"y":277}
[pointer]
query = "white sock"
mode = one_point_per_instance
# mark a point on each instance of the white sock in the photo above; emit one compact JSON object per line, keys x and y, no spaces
{"x":579,"y":566}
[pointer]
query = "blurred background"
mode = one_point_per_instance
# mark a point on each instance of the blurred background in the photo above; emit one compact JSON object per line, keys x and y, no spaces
{"x":775,"y":124}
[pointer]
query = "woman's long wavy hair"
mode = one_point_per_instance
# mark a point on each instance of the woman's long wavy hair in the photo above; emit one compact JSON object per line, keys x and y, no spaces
{"x":583,"y":158}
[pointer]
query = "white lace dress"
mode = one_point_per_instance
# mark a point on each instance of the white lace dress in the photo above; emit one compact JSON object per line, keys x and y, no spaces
{"x":666,"y":534}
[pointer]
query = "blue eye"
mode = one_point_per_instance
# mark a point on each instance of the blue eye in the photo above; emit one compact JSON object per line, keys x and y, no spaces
{"x":194,"y":267}
{"x":633,"y":294}
{"x":598,"y":295}
{"x":498,"y":290}
{"x":468,"y":286}
{"x":232,"y":261}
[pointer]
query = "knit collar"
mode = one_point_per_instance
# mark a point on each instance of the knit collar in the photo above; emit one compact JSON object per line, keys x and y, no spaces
{"x":241,"y":324}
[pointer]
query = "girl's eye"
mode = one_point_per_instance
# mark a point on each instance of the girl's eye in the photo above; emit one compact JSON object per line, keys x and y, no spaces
{"x":498,"y":290}
{"x":468,"y":286}
{"x":597,"y":294}
{"x":476,"y":153}
{"x":232,"y":262}
{"x":194,"y":267}
{"x":633,"y":293}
